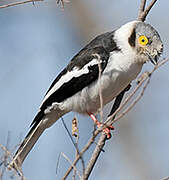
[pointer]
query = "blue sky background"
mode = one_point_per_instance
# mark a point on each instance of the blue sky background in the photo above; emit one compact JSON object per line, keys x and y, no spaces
{"x":36,"y":43}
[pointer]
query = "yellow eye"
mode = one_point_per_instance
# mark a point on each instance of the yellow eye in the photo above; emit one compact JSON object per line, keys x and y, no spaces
{"x":143,"y":40}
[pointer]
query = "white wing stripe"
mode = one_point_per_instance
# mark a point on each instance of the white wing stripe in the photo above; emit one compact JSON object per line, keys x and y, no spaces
{"x":68,"y":76}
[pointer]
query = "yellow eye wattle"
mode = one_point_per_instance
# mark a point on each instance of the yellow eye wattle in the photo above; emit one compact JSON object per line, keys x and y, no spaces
{"x":143,"y":40}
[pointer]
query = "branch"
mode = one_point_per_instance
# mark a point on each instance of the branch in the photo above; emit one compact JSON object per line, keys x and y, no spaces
{"x":5,"y":157}
{"x":90,"y":142}
{"x":95,"y":156}
{"x":118,"y":101}
{"x":7,"y":154}
{"x":142,"y":7}
{"x":18,"y":3}
{"x":103,"y":138}
{"x":144,"y":12}
{"x":112,"y":119}
{"x":166,"y":178}
{"x":146,"y":76}
{"x":71,"y":164}
{"x":117,"y":107}
{"x":74,"y":143}
{"x":62,"y":2}
{"x":100,"y":144}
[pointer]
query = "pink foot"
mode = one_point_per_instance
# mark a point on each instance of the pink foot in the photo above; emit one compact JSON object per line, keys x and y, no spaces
{"x":106,"y":130}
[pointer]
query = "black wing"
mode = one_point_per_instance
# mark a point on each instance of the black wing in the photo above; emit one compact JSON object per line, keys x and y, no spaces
{"x":99,"y":49}
{"x":77,"y":83}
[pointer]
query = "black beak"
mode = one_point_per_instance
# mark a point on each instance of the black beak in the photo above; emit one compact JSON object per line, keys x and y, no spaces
{"x":153,"y":59}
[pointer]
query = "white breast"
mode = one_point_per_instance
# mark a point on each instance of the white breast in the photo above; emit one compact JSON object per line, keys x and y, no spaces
{"x":123,"y":67}
{"x":119,"y":72}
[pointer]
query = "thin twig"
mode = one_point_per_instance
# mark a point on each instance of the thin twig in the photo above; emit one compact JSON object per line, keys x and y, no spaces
{"x":70,"y":136}
{"x":57,"y":163}
{"x":75,"y":144}
{"x":92,"y":140}
{"x":142,"y":15}
{"x":5,"y":157}
{"x":74,"y":167}
{"x":89,"y":143}
{"x":100,"y":89}
{"x":16,"y":172}
{"x":148,"y":77}
{"x":102,"y":139}
{"x":62,"y":2}
{"x":148,"y":9}
{"x":166,"y":178}
{"x":141,"y":8}
{"x":18,"y":3}
{"x":100,"y":86}
{"x":128,"y":98}
{"x":134,"y":102}
{"x":144,"y":77}
{"x":118,"y":101}
{"x":95,"y":156}
{"x":110,"y":120}
{"x":75,"y":127}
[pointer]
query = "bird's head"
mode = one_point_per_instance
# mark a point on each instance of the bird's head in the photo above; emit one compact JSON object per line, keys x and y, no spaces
{"x":147,"y":42}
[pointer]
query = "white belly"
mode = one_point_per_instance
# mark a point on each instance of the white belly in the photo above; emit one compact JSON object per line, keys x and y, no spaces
{"x":118,"y":73}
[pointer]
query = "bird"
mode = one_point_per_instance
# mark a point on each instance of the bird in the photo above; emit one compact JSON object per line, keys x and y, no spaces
{"x":110,"y":62}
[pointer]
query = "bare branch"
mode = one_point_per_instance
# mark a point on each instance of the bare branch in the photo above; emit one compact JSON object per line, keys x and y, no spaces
{"x":117,"y":102}
{"x":9,"y":155}
{"x":166,"y":178}
{"x":5,"y":157}
{"x":90,"y":142}
{"x":143,"y":13}
{"x":145,"y":76}
{"x":99,"y":145}
{"x":143,"y":82}
{"x":95,"y":156}
{"x":62,"y":2}
{"x":100,"y":88}
{"x":147,"y":79}
{"x":102,"y":139}
{"x":18,"y":3}
{"x":75,"y":132}
{"x":74,"y":167}
{"x":74,"y":143}
{"x":142,"y":7}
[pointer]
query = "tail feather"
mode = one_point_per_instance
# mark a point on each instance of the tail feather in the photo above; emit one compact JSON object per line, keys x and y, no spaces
{"x":28,"y":143}
{"x":39,"y":124}
{"x":38,"y":118}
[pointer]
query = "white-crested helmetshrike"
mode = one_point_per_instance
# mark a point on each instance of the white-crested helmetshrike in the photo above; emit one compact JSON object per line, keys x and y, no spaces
{"x":120,"y":54}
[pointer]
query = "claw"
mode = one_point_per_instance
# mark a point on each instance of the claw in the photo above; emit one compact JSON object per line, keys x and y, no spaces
{"x":99,"y":124}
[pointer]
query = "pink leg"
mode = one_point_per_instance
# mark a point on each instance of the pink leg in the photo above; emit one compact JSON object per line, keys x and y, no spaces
{"x":106,"y":130}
